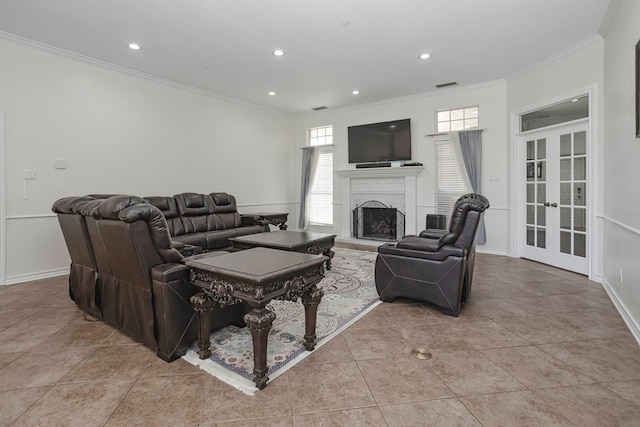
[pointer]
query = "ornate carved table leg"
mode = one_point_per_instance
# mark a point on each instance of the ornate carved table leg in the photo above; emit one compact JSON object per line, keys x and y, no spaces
{"x":259,"y":322}
{"x":202,"y":304}
{"x":328,"y":253}
{"x":311,"y":299}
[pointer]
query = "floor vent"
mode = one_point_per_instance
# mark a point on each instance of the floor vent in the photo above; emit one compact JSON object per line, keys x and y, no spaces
{"x":322,"y":107}
{"x":441,"y":85}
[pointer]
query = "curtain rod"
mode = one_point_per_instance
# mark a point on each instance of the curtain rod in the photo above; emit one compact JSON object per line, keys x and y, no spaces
{"x":444,"y":133}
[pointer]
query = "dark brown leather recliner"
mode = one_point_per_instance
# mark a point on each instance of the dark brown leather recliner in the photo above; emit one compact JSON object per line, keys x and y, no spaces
{"x":434,"y":270}
{"x":83,"y":273}
{"x":146,"y":292}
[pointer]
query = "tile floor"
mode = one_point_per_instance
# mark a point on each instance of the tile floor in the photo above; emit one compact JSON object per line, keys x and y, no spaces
{"x":535,"y":346}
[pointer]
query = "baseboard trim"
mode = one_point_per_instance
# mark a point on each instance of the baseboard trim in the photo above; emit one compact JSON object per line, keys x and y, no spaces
{"x":36,"y":276}
{"x":633,"y":326}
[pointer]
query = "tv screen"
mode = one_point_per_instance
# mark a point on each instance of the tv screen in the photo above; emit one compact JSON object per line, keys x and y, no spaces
{"x":380,"y":142}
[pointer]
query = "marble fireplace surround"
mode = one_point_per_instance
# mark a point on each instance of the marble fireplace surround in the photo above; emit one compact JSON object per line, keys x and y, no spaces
{"x":393,"y":186}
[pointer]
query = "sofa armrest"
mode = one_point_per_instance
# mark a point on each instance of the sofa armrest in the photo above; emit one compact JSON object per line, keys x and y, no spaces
{"x":439,"y":255}
{"x":186,"y":249}
{"x":165,"y":273}
{"x":432,"y":233}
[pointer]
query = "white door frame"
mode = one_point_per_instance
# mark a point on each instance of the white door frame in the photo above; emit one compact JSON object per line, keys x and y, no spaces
{"x":3,"y":213}
{"x":518,"y":171}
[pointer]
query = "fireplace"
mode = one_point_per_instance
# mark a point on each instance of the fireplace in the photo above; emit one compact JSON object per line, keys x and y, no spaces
{"x":375,"y":221}
{"x":395,"y":187}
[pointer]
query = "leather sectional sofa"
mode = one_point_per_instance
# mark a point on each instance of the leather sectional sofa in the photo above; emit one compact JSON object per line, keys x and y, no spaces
{"x":128,"y":270}
{"x":206,"y":220}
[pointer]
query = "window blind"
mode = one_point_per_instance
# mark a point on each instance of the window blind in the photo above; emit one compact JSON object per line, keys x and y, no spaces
{"x":449,"y":182}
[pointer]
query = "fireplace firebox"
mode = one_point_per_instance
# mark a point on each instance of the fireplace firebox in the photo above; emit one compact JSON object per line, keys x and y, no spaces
{"x":376,"y":221}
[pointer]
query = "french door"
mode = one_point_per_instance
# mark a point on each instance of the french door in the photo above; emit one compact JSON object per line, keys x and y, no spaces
{"x":556,"y":204}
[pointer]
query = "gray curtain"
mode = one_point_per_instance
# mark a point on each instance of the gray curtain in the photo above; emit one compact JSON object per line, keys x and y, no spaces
{"x":471,"y":147}
{"x":309,"y":165}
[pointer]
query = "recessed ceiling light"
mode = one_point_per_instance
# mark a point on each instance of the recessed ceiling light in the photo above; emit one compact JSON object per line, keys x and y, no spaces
{"x":134,"y":46}
{"x":278,"y":52}
{"x":272,"y":93}
{"x":355,"y":92}
{"x":425,"y":56}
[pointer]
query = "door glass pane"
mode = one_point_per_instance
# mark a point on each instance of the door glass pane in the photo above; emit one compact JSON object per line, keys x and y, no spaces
{"x":530,"y":236}
{"x":531,"y":150}
{"x":579,"y":219}
{"x":542,"y":193}
{"x":579,"y":245}
{"x":531,"y":193}
{"x":579,"y":168}
{"x":579,"y":194}
{"x":531,"y":171}
{"x":542,"y":218}
{"x":565,"y":145}
{"x":541,"y":234}
{"x":565,"y":170}
{"x":541,"y":149}
{"x":565,"y":242}
{"x":530,"y":214}
{"x":542,"y":171}
{"x":565,"y":194}
{"x":580,"y":143}
{"x":565,"y":218}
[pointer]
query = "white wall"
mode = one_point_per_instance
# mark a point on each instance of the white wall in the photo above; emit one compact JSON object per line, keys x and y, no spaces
{"x":491,"y":98}
{"x":121,"y":133}
{"x":621,"y":232}
{"x":568,"y":74}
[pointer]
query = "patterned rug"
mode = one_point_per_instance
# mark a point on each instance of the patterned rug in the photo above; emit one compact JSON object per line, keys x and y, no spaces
{"x":349,"y":293}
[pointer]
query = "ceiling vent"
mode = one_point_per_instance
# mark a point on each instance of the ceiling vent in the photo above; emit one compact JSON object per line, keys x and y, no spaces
{"x":441,"y":85}
{"x":322,"y":107}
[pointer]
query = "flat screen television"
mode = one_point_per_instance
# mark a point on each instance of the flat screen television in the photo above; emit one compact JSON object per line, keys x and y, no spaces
{"x":380,"y":142}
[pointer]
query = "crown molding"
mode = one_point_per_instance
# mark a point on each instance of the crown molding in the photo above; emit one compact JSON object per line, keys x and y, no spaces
{"x":553,"y":58}
{"x":423,"y":95}
{"x":137,"y":74}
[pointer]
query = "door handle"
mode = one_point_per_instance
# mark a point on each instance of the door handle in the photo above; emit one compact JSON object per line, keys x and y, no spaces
{"x":553,"y":205}
{"x":547,"y":204}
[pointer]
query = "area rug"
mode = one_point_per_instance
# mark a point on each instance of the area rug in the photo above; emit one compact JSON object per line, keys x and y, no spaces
{"x":349,"y":293}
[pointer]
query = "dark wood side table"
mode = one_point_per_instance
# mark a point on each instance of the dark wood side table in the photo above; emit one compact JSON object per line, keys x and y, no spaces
{"x":279,"y":219}
{"x":293,"y":241}
{"x":256,"y":276}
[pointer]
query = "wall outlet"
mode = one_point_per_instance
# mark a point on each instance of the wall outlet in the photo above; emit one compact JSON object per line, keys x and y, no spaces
{"x":29,"y":174}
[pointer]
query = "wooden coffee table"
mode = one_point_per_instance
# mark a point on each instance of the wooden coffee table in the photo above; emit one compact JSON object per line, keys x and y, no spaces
{"x":256,"y":276}
{"x":293,"y":241}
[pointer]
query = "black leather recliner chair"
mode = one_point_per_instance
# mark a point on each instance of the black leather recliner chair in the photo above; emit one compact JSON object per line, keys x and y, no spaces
{"x":436,"y":268}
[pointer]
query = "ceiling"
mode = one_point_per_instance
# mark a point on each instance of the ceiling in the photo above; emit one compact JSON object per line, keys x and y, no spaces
{"x":332,"y":47}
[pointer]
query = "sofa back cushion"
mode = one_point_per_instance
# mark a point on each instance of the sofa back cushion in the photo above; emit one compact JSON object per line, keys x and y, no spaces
{"x":169,"y":209}
{"x":226,"y":211}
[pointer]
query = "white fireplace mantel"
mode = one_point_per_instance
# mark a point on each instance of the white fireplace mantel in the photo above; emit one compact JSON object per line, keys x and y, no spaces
{"x":407,"y":174}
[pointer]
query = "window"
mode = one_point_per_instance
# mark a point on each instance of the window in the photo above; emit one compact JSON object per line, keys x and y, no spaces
{"x":320,"y":200}
{"x":449,"y":182}
{"x":458,"y":119}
